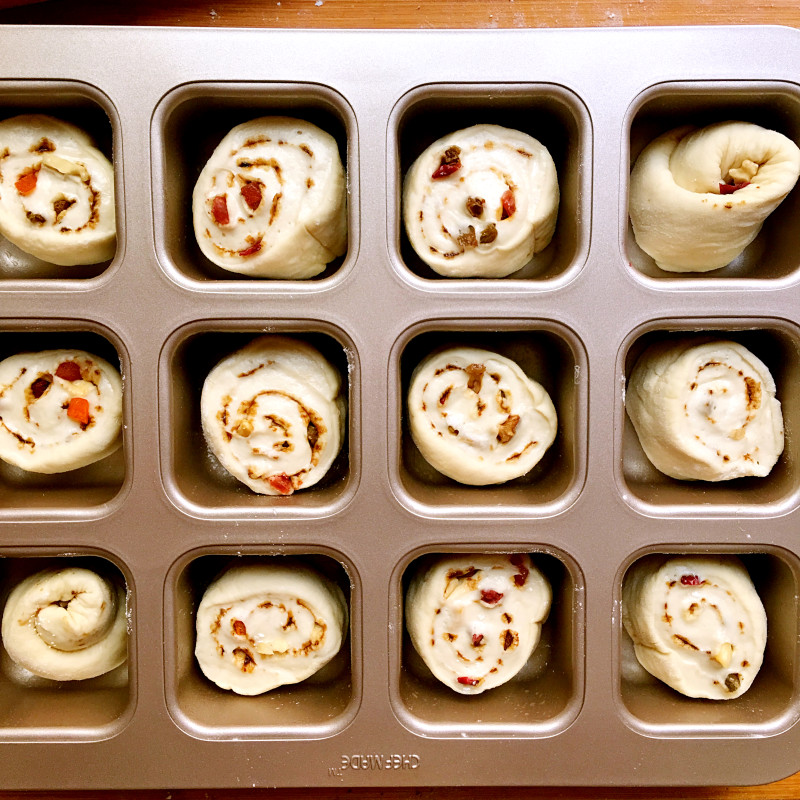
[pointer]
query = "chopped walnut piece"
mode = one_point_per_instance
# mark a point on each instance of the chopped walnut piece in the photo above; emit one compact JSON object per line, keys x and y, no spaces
{"x":244,"y":659}
{"x":733,"y":681}
{"x":506,"y":431}
{"x":467,"y":238}
{"x":475,"y":377}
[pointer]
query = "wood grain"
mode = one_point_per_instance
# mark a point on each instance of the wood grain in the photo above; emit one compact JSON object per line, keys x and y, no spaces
{"x":480,"y":14}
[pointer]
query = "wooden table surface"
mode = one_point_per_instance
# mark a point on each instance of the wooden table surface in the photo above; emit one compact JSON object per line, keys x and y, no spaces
{"x":479,"y":14}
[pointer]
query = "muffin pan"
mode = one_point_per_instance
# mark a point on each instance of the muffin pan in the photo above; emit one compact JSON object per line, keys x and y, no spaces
{"x":163,"y":514}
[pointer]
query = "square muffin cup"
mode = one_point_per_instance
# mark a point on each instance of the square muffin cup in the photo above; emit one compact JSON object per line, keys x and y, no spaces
{"x":92,"y":111}
{"x":194,"y":479}
{"x":776,"y":343}
{"x":92,"y":490}
{"x":548,"y":353}
{"x":550,"y":113}
{"x":190,"y":122}
{"x":773,"y":255}
{"x":770,"y":706}
{"x":320,"y":706}
{"x":38,"y":709}
{"x":541,"y":700}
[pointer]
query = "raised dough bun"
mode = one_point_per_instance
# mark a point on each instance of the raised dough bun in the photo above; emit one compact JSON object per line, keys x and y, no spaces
{"x":271,"y":201}
{"x":697,"y":623}
{"x":679,"y":213}
{"x":477,"y":417}
{"x":59,"y":410}
{"x":705,"y":410}
{"x":66,"y":624}
{"x":272,"y":414}
{"x":264,"y":625}
{"x":56,"y":192}
{"x":476,"y":619}
{"x":480,"y":202}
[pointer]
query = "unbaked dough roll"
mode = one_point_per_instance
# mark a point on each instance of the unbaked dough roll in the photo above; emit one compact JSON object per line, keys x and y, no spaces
{"x":697,"y":623}
{"x":698,"y":197}
{"x":705,"y":410}
{"x":66,"y":624}
{"x":272,"y":414}
{"x":477,"y":417}
{"x":476,"y":619}
{"x":59,"y":410}
{"x":271,"y":201}
{"x":56,"y":191}
{"x":260,"y":626}
{"x":480,"y":202}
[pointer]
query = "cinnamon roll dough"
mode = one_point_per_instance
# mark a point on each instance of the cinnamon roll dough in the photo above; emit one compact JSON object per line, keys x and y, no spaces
{"x":264,"y":625}
{"x":697,"y":623}
{"x":66,"y":624}
{"x":273,"y":415}
{"x":705,"y":410}
{"x":480,"y":202}
{"x":698,"y":197}
{"x":271,"y":201}
{"x":477,"y":417}
{"x":56,"y":191}
{"x":475,"y":619}
{"x":59,"y":410}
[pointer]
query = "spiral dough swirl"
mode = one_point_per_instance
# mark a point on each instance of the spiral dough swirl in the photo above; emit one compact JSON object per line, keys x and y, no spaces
{"x":697,"y":623}
{"x":477,"y":417}
{"x":705,"y":411}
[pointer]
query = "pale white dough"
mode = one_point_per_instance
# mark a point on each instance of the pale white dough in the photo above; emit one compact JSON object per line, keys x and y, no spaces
{"x":697,"y":623}
{"x":273,"y":415}
{"x":476,"y":619}
{"x":705,"y":410}
{"x":457,"y":224}
{"x":66,"y":624}
{"x":282,"y":184}
{"x":264,"y":625}
{"x":38,"y":433}
{"x":477,"y":417}
{"x":679,"y":216}
{"x":68,"y":216}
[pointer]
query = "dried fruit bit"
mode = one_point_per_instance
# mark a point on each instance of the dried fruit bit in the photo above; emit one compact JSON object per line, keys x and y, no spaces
{"x":251,"y":192}
{"x":239,"y":628}
{"x":39,"y":387}
{"x":219,"y":208}
{"x":254,"y":248}
{"x":491,"y":597}
{"x":730,"y":188}
{"x":733,"y":681}
{"x":488,"y":234}
{"x":281,"y":483}
{"x":509,"y":204}
{"x":475,"y":206}
{"x":477,"y":639}
{"x":522,"y":571}
{"x":68,"y":371}
{"x":78,"y":409}
{"x":690,"y":580}
{"x":468,"y":681}
{"x":449,"y":164}
{"x":26,"y":183}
